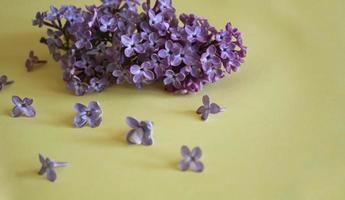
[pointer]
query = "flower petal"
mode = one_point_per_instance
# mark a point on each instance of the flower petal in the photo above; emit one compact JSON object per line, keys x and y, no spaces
{"x":80,"y":107}
{"x":127,"y":41}
{"x":28,"y":101}
{"x":205,"y":115}
{"x":17,"y":100}
{"x":51,"y":175}
{"x":132,"y":122}
{"x":185,"y":152}
{"x":95,"y":122}
{"x":29,"y":111}
{"x":43,"y":170}
{"x":93,"y":105}
{"x":197,"y":166}
{"x":135,"y":136}
{"x":206,"y":100}
{"x":184,"y":165}
{"x":135,"y":69}
{"x":196,"y":153}
{"x":16,"y":112}
{"x":201,"y":110}
{"x":149,"y":75}
{"x":214,"y":108}
{"x":80,"y":120}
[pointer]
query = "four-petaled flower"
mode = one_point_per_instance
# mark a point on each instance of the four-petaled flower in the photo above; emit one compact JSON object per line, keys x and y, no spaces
{"x":142,"y":73}
{"x":33,"y":60}
{"x":91,"y":115}
{"x":48,"y":167}
{"x":4,"y":81}
{"x":107,"y":24}
{"x":169,"y":52}
{"x":23,"y":107}
{"x":191,"y":159}
{"x":133,"y":44}
{"x":171,"y":78}
{"x":208,"y":108}
{"x":141,"y":133}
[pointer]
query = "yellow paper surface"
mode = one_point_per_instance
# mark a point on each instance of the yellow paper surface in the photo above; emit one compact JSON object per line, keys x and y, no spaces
{"x":283,"y":136}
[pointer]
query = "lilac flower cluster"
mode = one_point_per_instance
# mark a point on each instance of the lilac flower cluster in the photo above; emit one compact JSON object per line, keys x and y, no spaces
{"x":114,"y":43}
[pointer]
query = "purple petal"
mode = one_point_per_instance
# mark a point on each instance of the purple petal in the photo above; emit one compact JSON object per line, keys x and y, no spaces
{"x":80,"y":107}
{"x":29,"y":111}
{"x":196,"y":153}
{"x":16,"y":112}
{"x":137,"y":78}
{"x":185,"y":152}
{"x":180,"y":76}
{"x":168,"y":81}
{"x":162,"y":53}
{"x":128,"y":52}
{"x":133,"y":123}
{"x":95,"y":122}
{"x":42,"y":158}
{"x":176,"y":61}
{"x":184,"y":165}
{"x":197,"y":166}
{"x":127,"y":41}
{"x":17,"y":100}
{"x":149,"y":75}
{"x":201,"y":110}
{"x":93,"y":105}
{"x":80,"y":121}
{"x":205,"y":115}
{"x":51,"y":175}
{"x":206,"y":100}
{"x":135,"y":69}
{"x":135,"y":136}
{"x":214,"y":108}
{"x":28,"y":101}
{"x":43,"y":170}
{"x":147,"y":141}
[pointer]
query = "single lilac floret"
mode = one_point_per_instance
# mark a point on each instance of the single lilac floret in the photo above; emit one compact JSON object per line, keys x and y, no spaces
{"x":4,"y":82}
{"x":191,"y":159}
{"x":23,"y":107}
{"x":208,"y":108}
{"x":141,"y":132}
{"x":33,"y":60}
{"x":48,"y":167}
{"x":91,"y":115}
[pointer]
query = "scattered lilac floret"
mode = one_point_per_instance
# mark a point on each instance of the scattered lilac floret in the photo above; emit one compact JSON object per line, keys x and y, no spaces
{"x":208,"y":108}
{"x":4,"y":82}
{"x":191,"y":159}
{"x":48,"y":167}
{"x":33,"y":60}
{"x":23,"y":107}
{"x":141,"y":133}
{"x":91,"y":115}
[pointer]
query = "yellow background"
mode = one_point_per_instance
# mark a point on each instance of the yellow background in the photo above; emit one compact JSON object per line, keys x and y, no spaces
{"x":282,"y":138}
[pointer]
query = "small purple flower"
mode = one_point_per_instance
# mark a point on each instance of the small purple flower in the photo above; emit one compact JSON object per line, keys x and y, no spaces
{"x":210,"y":59}
{"x":33,"y":60}
{"x":183,"y":54}
{"x":73,"y":15}
{"x":169,"y":52}
{"x":133,"y":44}
{"x":191,"y":159}
{"x":141,"y":133}
{"x":120,"y":75}
{"x":91,"y":115}
{"x":171,"y":78}
{"x":160,"y":65}
{"x":208,"y":108}
{"x":23,"y":107}
{"x":155,"y":19}
{"x":77,"y":86}
{"x":226,"y":50}
{"x":4,"y":82}
{"x":48,"y":167}
{"x":86,"y":64}
{"x":108,"y":24}
{"x":142,"y":73}
{"x":196,"y":34}
{"x":98,"y":85}
{"x":55,"y":13}
{"x":39,"y":19}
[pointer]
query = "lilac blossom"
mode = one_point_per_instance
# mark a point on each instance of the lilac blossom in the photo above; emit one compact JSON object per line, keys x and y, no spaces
{"x":91,"y":115}
{"x":23,"y":107}
{"x":4,"y":82}
{"x":132,"y":44}
{"x":48,"y":167}
{"x":191,"y":159}
{"x":141,"y":132}
{"x":142,"y":73}
{"x":117,"y":42}
{"x":208,"y":108}
{"x":33,"y":60}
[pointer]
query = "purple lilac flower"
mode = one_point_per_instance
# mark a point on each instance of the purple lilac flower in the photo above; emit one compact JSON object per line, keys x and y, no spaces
{"x":48,"y":167}
{"x":171,"y":78}
{"x":208,"y":108}
{"x":112,"y":40}
{"x":142,"y":73}
{"x":133,"y":44}
{"x":98,"y":85}
{"x":191,"y":159}
{"x":33,"y":60}
{"x":4,"y":82}
{"x":23,"y":107}
{"x":141,"y":133}
{"x":91,"y":115}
